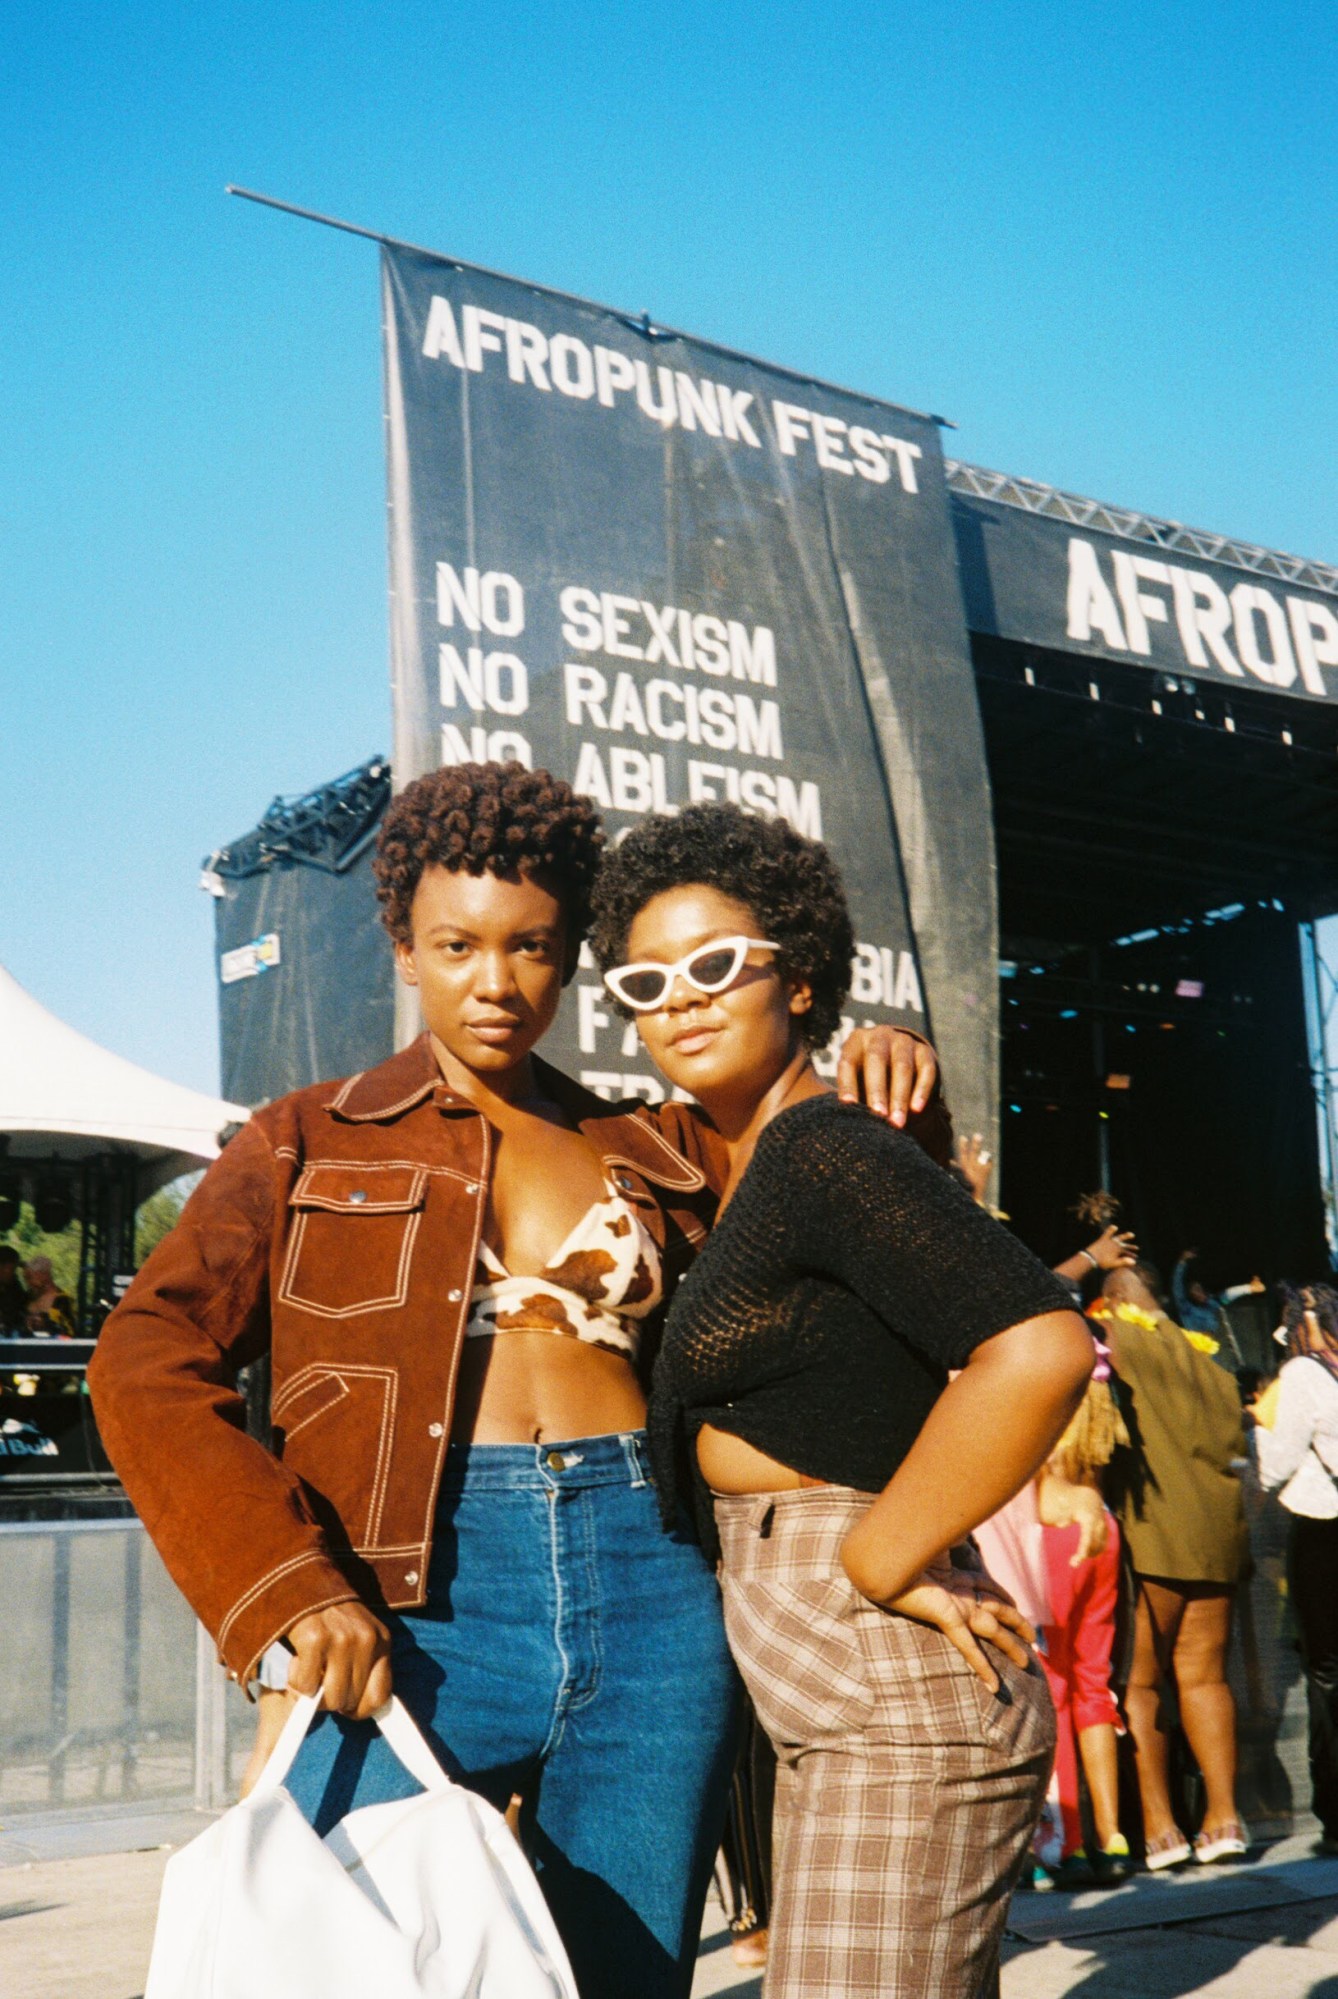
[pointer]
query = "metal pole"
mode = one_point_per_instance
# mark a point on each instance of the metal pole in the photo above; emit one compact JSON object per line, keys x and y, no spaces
{"x":60,"y":1667}
{"x":1099,"y":1072}
{"x":211,"y":1726}
{"x":1319,"y":971}
{"x":86,"y":1233}
{"x":334,"y":222}
{"x":639,"y":322}
{"x":132,"y":1635}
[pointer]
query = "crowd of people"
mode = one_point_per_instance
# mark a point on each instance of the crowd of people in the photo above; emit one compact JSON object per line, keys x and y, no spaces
{"x":1138,"y":1521}
{"x":588,"y":1420}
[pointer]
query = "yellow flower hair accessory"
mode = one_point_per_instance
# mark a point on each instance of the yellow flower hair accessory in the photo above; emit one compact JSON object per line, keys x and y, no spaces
{"x":1134,"y":1315}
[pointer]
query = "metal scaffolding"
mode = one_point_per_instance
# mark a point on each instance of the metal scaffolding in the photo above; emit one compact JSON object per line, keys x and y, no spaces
{"x":1034,"y":498}
{"x":327,"y":828}
{"x":1319,"y":964}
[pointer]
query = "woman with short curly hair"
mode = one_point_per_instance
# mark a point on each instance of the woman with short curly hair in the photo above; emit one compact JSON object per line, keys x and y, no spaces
{"x":458,"y":1263}
{"x":493,"y":819}
{"x":802,"y":1405}
{"x":568,"y":1650}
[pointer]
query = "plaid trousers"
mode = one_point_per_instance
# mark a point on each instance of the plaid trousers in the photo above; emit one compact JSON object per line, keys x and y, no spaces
{"x":907,"y":1792}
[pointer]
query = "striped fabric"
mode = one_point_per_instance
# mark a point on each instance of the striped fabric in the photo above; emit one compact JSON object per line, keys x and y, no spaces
{"x":907,"y":1792}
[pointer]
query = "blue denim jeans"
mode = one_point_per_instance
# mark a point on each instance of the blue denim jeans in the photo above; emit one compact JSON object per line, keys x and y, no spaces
{"x":572,"y":1651}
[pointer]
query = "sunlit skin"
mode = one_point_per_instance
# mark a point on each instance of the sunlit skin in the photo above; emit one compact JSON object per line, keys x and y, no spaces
{"x":741,"y":1054}
{"x":487,"y":957}
{"x":487,"y":954}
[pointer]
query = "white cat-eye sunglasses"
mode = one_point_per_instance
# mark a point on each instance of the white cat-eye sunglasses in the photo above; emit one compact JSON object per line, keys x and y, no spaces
{"x":709,"y":969}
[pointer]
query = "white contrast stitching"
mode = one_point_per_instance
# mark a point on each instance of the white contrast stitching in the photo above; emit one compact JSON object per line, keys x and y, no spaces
{"x":288,"y":1296}
{"x":272,"y":1576}
{"x":302,"y":1193}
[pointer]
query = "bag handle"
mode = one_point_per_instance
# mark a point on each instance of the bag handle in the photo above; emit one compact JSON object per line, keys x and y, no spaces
{"x":291,"y":1737}
{"x":396,"y":1724}
{"x":410,"y":1745}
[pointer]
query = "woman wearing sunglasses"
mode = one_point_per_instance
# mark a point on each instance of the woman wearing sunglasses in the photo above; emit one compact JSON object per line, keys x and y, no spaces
{"x":458,"y":1263}
{"x":802,"y":1400}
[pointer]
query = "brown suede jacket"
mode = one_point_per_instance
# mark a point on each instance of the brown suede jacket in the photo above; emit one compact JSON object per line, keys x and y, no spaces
{"x":339,"y":1231}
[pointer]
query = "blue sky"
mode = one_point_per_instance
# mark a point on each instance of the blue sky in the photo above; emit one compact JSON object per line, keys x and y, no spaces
{"x":1101,"y":240}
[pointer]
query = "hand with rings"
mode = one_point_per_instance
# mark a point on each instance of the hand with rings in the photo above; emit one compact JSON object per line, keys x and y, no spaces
{"x":976,"y":1161}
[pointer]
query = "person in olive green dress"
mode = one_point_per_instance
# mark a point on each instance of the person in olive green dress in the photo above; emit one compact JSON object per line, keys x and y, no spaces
{"x":1177,"y":1496}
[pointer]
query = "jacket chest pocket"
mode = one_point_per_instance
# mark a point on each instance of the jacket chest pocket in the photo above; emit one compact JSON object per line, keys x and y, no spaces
{"x":351,"y":1239}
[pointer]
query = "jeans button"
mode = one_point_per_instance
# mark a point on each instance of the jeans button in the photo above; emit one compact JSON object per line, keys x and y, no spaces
{"x":555,"y":1461}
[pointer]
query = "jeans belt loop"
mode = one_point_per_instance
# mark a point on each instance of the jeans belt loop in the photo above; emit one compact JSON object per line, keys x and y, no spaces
{"x":632,"y":1452}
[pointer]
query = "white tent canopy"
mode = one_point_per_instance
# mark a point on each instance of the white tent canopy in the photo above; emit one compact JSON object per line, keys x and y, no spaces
{"x":71,"y":1098}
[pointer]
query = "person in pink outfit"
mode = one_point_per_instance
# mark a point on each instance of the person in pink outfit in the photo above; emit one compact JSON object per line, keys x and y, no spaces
{"x":1083,"y":1592}
{"x":1080,"y":1546}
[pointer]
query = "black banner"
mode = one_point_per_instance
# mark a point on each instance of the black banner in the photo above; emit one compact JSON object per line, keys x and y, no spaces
{"x":305,"y":977}
{"x":1044,"y":581}
{"x":670,"y":573}
{"x":306,"y":984}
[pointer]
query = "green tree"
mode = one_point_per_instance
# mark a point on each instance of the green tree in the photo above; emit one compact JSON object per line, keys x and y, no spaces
{"x":159,"y":1215}
{"x":153,"y":1219}
{"x":63,"y":1248}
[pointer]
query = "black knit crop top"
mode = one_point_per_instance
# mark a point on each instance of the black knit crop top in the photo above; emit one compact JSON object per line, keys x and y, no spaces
{"x":845,"y":1278}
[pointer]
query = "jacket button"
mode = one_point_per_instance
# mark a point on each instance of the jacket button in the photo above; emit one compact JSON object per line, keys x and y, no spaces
{"x":472,"y":1187}
{"x":434,"y":1429}
{"x":455,"y":1296}
{"x":411,"y":1575}
{"x":624,"y":1181}
{"x":358,"y":1196}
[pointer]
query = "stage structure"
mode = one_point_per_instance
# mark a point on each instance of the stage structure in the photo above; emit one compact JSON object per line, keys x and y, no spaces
{"x":1043,"y":734}
{"x":1078,"y":763}
{"x":1160,"y":708}
{"x":1160,"y":834}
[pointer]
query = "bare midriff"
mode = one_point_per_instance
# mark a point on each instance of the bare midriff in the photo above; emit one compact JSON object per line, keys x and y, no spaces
{"x":537,"y":1388}
{"x":728,"y":1464}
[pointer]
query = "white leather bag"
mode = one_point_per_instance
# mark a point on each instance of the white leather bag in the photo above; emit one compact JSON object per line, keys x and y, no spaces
{"x":426,"y":1898}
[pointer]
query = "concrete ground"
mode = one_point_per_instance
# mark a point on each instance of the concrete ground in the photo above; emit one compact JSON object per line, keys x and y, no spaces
{"x":1265,"y":1931}
{"x":76,"y":1924}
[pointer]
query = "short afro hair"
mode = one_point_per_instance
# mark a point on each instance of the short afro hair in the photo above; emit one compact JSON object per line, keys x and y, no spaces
{"x":791,"y":885}
{"x":497,"y":817}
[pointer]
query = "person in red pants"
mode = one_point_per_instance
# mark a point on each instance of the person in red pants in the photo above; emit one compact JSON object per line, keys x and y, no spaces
{"x":1081,"y":1547}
